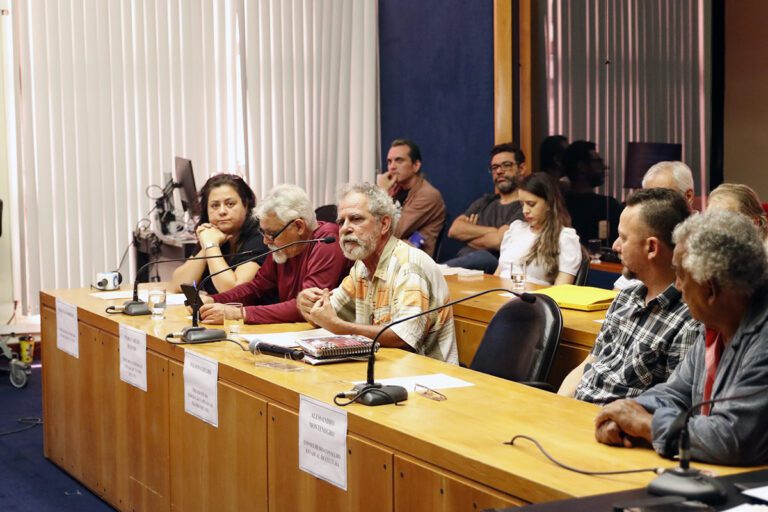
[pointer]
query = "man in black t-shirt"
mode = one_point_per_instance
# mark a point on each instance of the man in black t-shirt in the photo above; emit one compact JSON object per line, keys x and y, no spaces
{"x":486,"y":220}
{"x":593,"y":215}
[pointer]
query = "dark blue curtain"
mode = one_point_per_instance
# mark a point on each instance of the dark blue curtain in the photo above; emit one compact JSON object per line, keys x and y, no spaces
{"x":437,"y":90}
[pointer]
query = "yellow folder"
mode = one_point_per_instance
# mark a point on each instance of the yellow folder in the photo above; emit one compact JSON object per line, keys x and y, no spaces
{"x":584,"y":298}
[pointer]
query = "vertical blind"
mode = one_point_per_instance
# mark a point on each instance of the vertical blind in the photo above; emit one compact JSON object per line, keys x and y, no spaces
{"x":108,"y":92}
{"x":628,"y":71}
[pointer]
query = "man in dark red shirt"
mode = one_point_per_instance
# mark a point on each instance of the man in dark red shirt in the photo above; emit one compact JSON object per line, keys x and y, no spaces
{"x":285,"y":215}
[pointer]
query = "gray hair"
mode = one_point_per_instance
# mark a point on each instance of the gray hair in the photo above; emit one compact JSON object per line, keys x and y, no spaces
{"x":681,"y":174}
{"x":380,"y":204}
{"x":725,"y":247}
{"x":288,"y":202}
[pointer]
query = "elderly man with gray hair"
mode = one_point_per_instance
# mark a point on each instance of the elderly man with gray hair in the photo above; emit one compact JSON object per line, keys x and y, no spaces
{"x":285,"y":216}
{"x":390,"y":280}
{"x":674,"y":175}
{"x":721,"y":269}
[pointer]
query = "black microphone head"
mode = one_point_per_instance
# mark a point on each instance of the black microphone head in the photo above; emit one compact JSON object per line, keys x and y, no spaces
{"x":329,"y":239}
{"x":528,"y":297}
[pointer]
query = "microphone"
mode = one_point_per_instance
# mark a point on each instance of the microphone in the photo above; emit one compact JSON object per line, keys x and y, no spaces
{"x":684,"y":480}
{"x":196,"y":334}
{"x":372,"y":393}
{"x":275,"y":350}
{"x":137,"y":307}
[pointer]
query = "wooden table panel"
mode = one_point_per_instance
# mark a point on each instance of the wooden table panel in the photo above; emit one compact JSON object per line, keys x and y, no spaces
{"x":218,"y":468}
{"x":369,"y":473}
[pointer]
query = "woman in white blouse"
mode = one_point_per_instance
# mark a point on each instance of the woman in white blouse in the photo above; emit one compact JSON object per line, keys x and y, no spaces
{"x":544,"y":240}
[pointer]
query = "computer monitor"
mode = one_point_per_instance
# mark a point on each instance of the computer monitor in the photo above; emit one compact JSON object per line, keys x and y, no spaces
{"x":642,"y":155}
{"x":187,"y":189}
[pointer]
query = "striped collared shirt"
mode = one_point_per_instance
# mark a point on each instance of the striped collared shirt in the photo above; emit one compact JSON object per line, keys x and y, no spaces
{"x":406,"y":281}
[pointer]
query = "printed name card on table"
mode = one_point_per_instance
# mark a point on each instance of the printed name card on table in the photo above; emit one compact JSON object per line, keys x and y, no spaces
{"x":201,"y":398}
{"x":323,"y":441}
{"x":133,"y":357}
{"x":66,"y":328}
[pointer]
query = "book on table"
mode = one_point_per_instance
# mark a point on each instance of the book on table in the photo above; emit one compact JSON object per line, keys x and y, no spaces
{"x":336,"y":347}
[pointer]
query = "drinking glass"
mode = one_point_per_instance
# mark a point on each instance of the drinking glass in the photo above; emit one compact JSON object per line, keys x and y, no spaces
{"x":593,"y":248}
{"x":517,"y":274}
{"x":156,"y":300}
{"x":234,"y":317}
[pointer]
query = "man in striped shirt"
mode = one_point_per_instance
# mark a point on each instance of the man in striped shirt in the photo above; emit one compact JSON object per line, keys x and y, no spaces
{"x":390,"y":280}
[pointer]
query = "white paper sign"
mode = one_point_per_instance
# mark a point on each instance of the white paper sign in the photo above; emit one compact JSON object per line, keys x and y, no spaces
{"x":66,"y":328}
{"x":323,"y":441}
{"x":133,"y":357}
{"x":201,"y":397}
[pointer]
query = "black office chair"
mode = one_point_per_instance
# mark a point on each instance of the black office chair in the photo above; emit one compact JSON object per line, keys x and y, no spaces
{"x":326,"y":213}
{"x":583,"y":273}
{"x":520,"y":342}
{"x":440,"y":239}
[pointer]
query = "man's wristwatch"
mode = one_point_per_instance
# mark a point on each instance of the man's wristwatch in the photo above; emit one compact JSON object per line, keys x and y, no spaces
{"x":210,"y":244}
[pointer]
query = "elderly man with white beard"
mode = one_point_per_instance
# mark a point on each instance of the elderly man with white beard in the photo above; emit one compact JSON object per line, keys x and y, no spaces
{"x":390,"y":280}
{"x":285,"y":215}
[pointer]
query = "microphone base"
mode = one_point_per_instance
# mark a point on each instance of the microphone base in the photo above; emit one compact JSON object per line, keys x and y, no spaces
{"x":376,"y":394}
{"x":689,"y":483}
{"x":202,"y":335}
{"x":135,"y":308}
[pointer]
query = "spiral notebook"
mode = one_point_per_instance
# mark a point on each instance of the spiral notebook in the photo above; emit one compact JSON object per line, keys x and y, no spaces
{"x":336,"y":346}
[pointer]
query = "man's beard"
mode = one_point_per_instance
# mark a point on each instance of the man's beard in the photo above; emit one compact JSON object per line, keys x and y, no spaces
{"x":507,"y":185}
{"x":279,"y":257}
{"x":364,"y":248}
{"x":628,"y":273}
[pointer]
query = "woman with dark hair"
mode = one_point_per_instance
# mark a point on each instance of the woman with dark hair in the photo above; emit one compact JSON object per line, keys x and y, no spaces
{"x":544,"y":241}
{"x":227,"y":226}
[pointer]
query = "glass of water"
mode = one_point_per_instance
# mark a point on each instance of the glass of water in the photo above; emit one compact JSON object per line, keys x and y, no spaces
{"x":517,"y":274}
{"x":156,"y":300}
{"x":234,"y":317}
{"x":593,"y":248}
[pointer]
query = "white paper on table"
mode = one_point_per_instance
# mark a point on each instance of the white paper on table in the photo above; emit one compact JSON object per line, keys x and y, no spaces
{"x":133,"y":357}
{"x":286,"y":339}
{"x":201,"y":398}
{"x":431,"y":381}
{"x":117,"y":294}
{"x":600,"y":321}
{"x":760,"y":493}
{"x":171,"y":299}
{"x":748,"y":507}
{"x":323,"y":441}
{"x":67,"y":338}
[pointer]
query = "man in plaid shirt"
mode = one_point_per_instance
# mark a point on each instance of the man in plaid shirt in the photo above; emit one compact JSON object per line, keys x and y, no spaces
{"x":390,"y":280}
{"x":648,"y":328}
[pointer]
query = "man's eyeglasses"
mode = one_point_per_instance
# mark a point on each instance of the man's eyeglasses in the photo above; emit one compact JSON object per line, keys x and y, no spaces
{"x":505,"y":166}
{"x":429,"y":393}
{"x":273,"y":236}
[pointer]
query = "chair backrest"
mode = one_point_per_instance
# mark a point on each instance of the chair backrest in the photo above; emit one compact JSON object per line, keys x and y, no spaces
{"x":326,"y":213}
{"x":520,"y":341}
{"x":440,"y":239}
{"x":583,"y":273}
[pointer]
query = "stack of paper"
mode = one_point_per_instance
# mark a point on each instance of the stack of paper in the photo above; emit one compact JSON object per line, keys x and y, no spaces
{"x":584,"y":298}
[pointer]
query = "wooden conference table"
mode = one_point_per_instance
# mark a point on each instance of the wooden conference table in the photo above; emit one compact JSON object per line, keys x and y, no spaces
{"x":141,"y":451}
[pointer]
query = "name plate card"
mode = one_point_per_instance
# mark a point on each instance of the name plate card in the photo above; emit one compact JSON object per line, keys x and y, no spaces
{"x":201,"y":398}
{"x":67,"y":338}
{"x":323,"y":441}
{"x":133,"y":357}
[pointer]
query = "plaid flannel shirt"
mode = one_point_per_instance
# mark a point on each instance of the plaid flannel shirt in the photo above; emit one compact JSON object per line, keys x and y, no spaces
{"x":639,"y":345}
